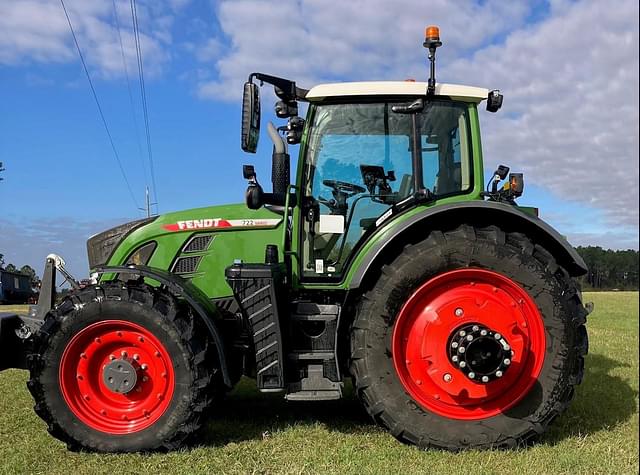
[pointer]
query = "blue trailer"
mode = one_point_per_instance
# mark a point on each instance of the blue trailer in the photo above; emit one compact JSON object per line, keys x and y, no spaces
{"x":14,"y":287}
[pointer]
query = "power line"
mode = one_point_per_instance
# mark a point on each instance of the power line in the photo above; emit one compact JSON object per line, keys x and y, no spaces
{"x":143,"y":93}
{"x":126,"y":73}
{"x":95,"y":97}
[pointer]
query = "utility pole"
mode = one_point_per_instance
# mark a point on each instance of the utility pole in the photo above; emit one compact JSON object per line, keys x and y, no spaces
{"x":147,"y":201}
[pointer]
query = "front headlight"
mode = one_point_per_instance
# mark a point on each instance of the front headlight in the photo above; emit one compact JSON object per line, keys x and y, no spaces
{"x":101,"y":246}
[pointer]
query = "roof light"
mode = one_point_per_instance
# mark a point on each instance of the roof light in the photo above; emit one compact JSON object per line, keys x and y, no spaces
{"x":432,"y":33}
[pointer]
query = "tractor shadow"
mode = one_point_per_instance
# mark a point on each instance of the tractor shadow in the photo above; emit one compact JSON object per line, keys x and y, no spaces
{"x":247,"y":414}
{"x":602,"y":402}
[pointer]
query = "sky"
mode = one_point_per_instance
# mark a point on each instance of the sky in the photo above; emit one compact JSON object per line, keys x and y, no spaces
{"x":568,"y":71}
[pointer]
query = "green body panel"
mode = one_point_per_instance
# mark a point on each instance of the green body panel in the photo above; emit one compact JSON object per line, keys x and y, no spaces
{"x":246,"y":243}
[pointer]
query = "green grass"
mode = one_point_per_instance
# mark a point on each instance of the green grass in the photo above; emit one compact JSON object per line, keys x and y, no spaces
{"x":256,"y":433}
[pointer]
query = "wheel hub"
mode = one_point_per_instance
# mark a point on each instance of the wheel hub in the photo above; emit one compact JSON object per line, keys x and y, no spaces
{"x":120,"y":376}
{"x":480,"y":353}
{"x":116,"y":377}
{"x":468,"y":344}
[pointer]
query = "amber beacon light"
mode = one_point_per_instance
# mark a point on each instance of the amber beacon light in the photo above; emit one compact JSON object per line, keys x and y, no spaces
{"x":431,"y":42}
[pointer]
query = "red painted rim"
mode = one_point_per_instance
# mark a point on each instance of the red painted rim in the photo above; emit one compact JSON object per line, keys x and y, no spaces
{"x":81,"y":377}
{"x":427,"y":320}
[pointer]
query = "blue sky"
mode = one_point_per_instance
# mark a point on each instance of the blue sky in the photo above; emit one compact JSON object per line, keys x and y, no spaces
{"x":569,"y":121}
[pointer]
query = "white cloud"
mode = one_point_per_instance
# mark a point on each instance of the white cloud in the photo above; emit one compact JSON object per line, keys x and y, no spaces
{"x":37,"y":31}
{"x":570,"y":116}
{"x":316,"y":40}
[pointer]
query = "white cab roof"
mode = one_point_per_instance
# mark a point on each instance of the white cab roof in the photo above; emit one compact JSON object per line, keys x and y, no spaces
{"x":395,"y":88}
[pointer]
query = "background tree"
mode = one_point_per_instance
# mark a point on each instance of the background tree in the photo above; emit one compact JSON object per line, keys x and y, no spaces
{"x":28,"y":270}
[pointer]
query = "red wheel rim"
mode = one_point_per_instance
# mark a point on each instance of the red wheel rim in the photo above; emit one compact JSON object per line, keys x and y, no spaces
{"x":433,"y":313}
{"x":85,"y":392}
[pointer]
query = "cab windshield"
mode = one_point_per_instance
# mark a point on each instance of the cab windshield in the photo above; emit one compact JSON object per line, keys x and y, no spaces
{"x":359,"y":164}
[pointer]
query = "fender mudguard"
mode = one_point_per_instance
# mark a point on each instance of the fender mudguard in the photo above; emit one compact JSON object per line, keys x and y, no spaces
{"x":181,"y":288}
{"x":482,"y":213}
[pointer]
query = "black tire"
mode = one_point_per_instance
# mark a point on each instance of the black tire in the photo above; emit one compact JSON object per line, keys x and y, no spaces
{"x":512,"y":254}
{"x":168,"y":321}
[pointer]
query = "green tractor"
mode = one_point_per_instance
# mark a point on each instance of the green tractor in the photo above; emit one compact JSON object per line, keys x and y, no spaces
{"x":454,"y":311}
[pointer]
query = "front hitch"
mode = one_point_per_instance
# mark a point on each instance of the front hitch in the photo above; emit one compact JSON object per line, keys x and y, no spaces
{"x":17,"y":330}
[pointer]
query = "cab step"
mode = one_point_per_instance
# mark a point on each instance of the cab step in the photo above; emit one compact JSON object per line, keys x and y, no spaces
{"x":313,"y":371}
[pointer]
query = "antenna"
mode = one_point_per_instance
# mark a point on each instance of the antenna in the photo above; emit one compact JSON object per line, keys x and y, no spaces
{"x":148,"y":203}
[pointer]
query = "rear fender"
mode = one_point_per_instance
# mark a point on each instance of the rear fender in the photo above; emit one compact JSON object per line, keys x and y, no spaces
{"x":480,"y":213}
{"x":181,"y":288}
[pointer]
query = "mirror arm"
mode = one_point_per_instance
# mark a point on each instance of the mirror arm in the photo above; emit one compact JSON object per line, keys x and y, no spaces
{"x":285,"y":88}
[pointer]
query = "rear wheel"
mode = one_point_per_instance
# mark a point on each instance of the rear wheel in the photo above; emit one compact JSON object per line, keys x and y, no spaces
{"x":121,"y":368}
{"x":472,"y":338}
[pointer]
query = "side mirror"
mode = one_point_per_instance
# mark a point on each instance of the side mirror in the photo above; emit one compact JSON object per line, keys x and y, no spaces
{"x":254,"y":197}
{"x":250,"y":117}
{"x":494,"y":101}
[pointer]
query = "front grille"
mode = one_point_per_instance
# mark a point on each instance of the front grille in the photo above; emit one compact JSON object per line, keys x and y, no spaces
{"x":186,"y":265}
{"x":198,"y":244}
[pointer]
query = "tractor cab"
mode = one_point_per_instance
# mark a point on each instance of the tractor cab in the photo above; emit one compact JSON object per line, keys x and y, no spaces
{"x":369,"y":151}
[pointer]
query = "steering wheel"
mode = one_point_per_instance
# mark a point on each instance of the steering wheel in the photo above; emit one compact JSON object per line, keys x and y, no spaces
{"x":349,"y":189}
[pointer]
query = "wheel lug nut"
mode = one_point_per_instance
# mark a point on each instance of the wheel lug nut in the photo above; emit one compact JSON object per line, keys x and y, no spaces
{"x":144,"y":367}
{"x":454,"y":344}
{"x":507,"y":347}
{"x":472,"y":375}
{"x":447,"y":378}
{"x":483,"y":332}
{"x":86,"y":397}
{"x":97,"y":340}
{"x":469,"y":337}
{"x":463,"y":333}
{"x":485,"y":379}
{"x":161,"y":397}
{"x":497,"y":336}
{"x":83,"y":356}
{"x":158,"y":354}
{"x":145,"y":379}
{"x":140,"y":339}
{"x":136,"y":357}
{"x":454,"y":358}
{"x":112,"y":357}
{"x":498,"y":374}
{"x":462,"y":364}
{"x":461,"y":349}
{"x":507,"y":361}
{"x":475,"y":328}
{"x":124,"y":354}
{"x":163,"y":375}
{"x":459,"y":312}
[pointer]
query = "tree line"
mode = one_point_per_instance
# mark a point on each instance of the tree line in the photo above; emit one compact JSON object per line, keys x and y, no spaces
{"x":609,"y":269}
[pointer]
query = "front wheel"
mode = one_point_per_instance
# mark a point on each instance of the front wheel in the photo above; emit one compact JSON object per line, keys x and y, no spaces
{"x":472,"y":338}
{"x":121,"y":368}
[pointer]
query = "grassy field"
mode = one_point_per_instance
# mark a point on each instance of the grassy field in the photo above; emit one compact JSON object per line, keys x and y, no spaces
{"x":256,"y":433}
